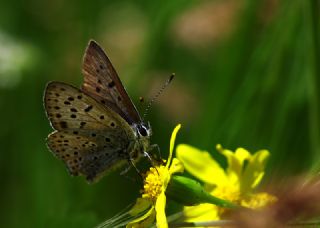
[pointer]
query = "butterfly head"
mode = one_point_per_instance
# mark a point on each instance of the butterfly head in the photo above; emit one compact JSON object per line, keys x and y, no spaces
{"x":142,"y":142}
{"x":143,"y":130}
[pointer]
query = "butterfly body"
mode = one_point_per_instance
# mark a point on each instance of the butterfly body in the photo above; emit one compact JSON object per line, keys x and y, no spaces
{"x":96,"y":128}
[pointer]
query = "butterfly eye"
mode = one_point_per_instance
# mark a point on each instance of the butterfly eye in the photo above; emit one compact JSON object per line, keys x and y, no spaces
{"x":143,"y":131}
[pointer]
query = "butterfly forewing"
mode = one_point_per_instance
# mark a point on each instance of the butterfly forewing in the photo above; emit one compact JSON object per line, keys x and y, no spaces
{"x":68,"y":108}
{"x":102,"y":83}
{"x":91,"y":138}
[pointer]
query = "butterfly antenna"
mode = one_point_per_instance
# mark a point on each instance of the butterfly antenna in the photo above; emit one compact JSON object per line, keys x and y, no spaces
{"x":155,"y":97}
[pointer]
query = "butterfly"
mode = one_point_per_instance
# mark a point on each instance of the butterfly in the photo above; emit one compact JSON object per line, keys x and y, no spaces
{"x":96,"y":128}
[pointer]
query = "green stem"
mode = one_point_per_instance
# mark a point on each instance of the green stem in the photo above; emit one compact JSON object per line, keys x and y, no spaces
{"x":190,"y":192}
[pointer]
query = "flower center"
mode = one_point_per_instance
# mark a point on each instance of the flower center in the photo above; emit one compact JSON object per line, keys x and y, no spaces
{"x":154,"y":182}
{"x":258,"y":200}
{"x":228,"y":192}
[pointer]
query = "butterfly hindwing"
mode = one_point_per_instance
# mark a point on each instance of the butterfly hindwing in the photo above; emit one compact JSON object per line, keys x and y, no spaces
{"x":85,"y":155}
{"x":102,"y":82}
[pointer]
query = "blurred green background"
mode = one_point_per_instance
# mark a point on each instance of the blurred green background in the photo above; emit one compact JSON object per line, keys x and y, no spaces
{"x":247,"y":74}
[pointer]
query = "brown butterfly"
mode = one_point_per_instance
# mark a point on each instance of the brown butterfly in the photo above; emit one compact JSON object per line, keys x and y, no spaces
{"x":97,"y":128}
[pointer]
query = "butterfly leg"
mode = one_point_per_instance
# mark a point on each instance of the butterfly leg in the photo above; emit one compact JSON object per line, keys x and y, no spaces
{"x":126,"y":170}
{"x":151,"y":160}
{"x":131,"y":164}
{"x":155,"y":146}
{"x":157,"y":159}
{"x":135,"y":179}
{"x":145,"y":154}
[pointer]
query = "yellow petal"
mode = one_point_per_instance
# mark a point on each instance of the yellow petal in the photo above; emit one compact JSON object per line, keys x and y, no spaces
{"x":160,"y":211}
{"x":201,"y":212}
{"x":141,"y":205}
{"x":176,"y":166}
{"x":172,"y":140}
{"x":200,"y":164}
{"x":235,"y":159}
{"x":145,"y":220}
{"x":242,"y":154}
{"x":254,"y":171}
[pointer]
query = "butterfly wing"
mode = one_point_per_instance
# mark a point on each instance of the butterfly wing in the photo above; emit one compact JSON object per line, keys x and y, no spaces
{"x":90,"y":138}
{"x":102,"y":82}
{"x":85,"y":155}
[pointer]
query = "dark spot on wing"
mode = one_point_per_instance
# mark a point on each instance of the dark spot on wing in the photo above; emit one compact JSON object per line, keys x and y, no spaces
{"x":63,"y":124}
{"x":93,"y":134}
{"x":70,"y":98}
{"x":87,"y":109}
{"x":62,"y":89}
{"x":73,"y":110}
{"x":99,"y":81}
{"x":73,"y":116}
{"x":111,"y":84}
{"x":56,"y":107}
{"x":75,"y":132}
{"x":98,"y":89}
{"x":82,"y":124}
{"x":67,"y":103}
{"x":101,"y":117}
{"x":79,"y":97}
{"x":101,"y":67}
{"x":112,"y":124}
{"x":58,"y":115}
{"x":108,"y":139}
{"x":119,"y":98}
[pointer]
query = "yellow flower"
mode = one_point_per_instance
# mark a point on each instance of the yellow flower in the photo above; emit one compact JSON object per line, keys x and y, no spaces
{"x":235,"y":184}
{"x":153,"y":201}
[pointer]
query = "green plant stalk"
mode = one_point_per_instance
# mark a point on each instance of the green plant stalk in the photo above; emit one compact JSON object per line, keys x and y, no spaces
{"x":189,"y":192}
